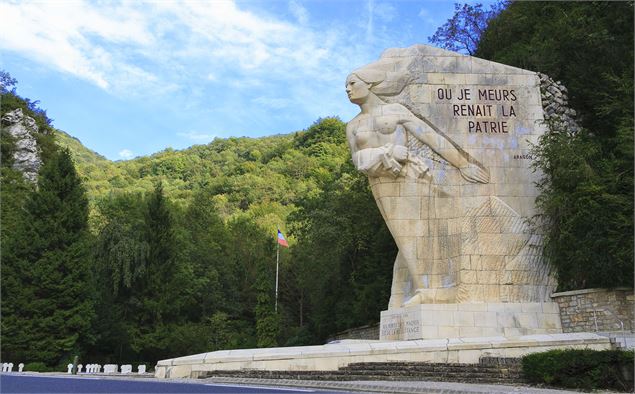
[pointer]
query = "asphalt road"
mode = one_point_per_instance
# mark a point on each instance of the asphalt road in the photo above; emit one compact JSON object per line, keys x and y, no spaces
{"x":41,"y":384}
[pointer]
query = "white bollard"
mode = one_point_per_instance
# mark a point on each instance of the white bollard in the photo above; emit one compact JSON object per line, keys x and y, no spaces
{"x":110,"y":368}
{"x":20,"y":367}
{"x":70,"y":368}
{"x":79,"y":368}
{"x":5,"y":366}
{"x":10,"y":367}
{"x":141,"y":368}
{"x":126,"y":368}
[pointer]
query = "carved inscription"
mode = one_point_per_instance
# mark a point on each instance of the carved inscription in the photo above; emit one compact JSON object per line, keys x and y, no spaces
{"x":468,"y":103}
{"x":401,"y":326}
{"x":412,"y":327}
{"x":392,"y":328}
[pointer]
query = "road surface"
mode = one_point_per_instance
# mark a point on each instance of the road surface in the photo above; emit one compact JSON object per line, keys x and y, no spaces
{"x":63,"y":384}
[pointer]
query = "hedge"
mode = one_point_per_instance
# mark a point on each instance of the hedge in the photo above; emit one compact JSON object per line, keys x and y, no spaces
{"x":581,"y":369}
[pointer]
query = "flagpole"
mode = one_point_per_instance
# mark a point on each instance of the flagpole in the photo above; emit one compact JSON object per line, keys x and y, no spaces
{"x":277,"y":264}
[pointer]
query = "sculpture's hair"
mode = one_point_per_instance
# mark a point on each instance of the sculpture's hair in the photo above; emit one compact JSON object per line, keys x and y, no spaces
{"x":386,"y":77}
{"x":370,"y":76}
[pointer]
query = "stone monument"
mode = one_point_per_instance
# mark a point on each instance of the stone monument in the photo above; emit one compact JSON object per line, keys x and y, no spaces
{"x":445,"y":140}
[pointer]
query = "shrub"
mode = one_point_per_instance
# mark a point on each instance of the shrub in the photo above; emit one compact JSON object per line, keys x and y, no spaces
{"x":581,"y":369}
{"x":37,"y":366}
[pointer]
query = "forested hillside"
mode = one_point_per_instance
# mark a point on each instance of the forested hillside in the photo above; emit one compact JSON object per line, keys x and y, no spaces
{"x":174,"y":253}
{"x":177,"y":252}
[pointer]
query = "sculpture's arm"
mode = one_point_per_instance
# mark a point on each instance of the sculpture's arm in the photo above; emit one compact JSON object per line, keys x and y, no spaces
{"x":445,"y":149}
{"x":389,"y":156}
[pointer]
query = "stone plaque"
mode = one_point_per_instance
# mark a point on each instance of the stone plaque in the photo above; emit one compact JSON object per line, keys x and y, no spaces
{"x":401,"y":325}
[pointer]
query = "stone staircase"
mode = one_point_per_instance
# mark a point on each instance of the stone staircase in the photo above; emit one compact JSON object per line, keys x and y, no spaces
{"x":488,"y":370}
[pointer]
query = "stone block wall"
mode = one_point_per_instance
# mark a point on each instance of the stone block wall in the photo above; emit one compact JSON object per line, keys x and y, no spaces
{"x":589,"y":310}
{"x":370,"y":331}
{"x":592,"y":310}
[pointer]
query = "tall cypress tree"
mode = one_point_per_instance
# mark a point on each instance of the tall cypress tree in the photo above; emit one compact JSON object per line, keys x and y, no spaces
{"x":55,"y":306}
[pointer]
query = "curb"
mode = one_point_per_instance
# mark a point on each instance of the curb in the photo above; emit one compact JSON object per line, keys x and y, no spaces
{"x":381,"y":387}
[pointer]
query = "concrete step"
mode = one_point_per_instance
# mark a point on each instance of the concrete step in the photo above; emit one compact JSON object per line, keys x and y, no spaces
{"x":394,"y":371}
{"x":433,"y":372}
{"x":326,"y":375}
{"x":430,"y":367}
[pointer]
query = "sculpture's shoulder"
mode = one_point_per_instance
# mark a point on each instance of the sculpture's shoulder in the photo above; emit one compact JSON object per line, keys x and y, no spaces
{"x":395,"y":109}
{"x":397,"y":112}
{"x":353,"y":122}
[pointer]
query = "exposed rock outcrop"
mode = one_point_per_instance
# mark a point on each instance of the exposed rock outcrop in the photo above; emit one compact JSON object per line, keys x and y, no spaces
{"x":555,"y":103}
{"x":26,"y":157}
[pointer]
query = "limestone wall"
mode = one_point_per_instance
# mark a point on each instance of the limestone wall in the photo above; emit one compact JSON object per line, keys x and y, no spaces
{"x":593,"y":310}
{"x":370,"y":331}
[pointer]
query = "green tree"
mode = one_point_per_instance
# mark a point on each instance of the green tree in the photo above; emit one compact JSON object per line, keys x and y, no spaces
{"x":162,"y":287}
{"x":121,"y":255}
{"x":586,"y":45}
{"x":344,"y":255}
{"x":215,"y":278}
{"x":267,"y":319}
{"x":587,"y":192}
{"x":14,"y":240}
{"x":51,"y":320}
{"x":251,"y":251}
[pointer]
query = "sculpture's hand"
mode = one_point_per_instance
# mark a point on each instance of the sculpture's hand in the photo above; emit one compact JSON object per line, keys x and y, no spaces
{"x":399,"y":152}
{"x":393,"y":156}
{"x":474,"y":173}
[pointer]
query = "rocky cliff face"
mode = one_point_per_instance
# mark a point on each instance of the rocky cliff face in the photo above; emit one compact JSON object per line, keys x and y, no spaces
{"x":26,"y":157}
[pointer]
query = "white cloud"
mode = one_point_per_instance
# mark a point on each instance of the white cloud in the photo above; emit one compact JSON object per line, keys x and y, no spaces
{"x":118,"y":46}
{"x":370,"y":8}
{"x":199,"y":55}
{"x":126,"y":154}
{"x":299,"y":12}
{"x":63,"y":34}
{"x":196,"y":136}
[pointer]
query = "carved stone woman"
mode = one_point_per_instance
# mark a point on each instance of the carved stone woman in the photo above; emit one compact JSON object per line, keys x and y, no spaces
{"x":388,"y":143}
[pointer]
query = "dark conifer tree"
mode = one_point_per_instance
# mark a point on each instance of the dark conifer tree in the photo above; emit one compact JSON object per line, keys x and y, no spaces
{"x":54,"y":309}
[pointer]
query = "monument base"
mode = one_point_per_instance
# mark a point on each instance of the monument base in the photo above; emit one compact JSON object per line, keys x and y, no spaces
{"x":432,"y":321}
{"x":333,"y":356}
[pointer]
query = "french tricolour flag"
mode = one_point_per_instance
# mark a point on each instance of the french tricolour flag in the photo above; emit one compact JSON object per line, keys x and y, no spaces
{"x":281,"y":240}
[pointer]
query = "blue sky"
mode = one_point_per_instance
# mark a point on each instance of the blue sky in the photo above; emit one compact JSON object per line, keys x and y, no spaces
{"x":132,"y":78}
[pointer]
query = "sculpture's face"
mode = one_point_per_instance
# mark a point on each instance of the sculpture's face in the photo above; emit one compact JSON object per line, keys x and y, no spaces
{"x":356,"y":89}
